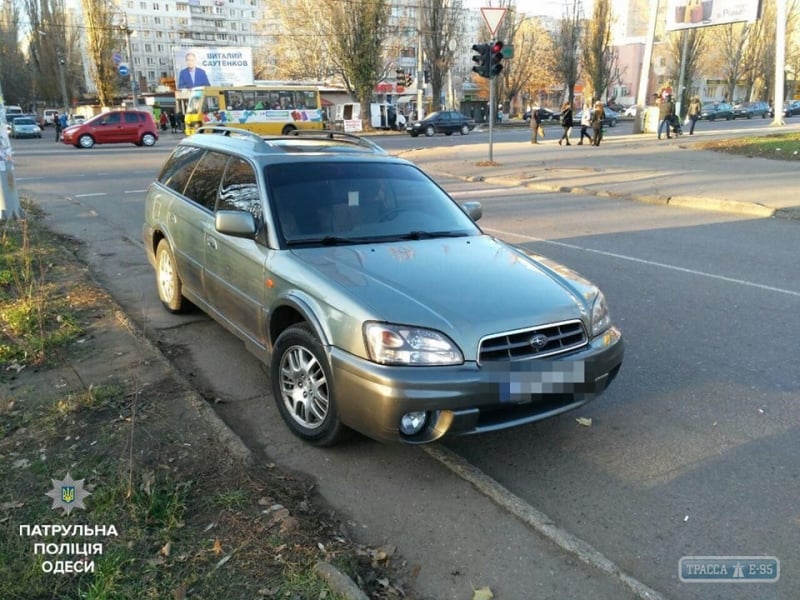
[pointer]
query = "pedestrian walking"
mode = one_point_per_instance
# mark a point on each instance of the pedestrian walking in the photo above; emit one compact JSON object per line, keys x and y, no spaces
{"x":598,"y":116}
{"x":566,"y":122}
{"x":57,"y":125}
{"x":537,"y":130}
{"x":694,"y":112}
{"x":586,"y":124}
{"x":666,"y":109}
{"x":173,"y":122}
{"x":163,"y":120}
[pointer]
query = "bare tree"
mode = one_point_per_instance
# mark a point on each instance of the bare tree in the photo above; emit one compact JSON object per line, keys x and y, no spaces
{"x":54,"y":49}
{"x":530,"y":70}
{"x":442,"y":22}
{"x":301,"y":48}
{"x":14,"y":73}
{"x":101,"y":40}
{"x":356,"y":45}
{"x":598,"y":58}
{"x":565,"y":47}
{"x":694,"y":40}
{"x":730,"y":41}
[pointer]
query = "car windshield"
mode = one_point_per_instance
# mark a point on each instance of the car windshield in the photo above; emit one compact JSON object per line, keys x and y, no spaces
{"x":26,"y":121}
{"x":360,"y":202}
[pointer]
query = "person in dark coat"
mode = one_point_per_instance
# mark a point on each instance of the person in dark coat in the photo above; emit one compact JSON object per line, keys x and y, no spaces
{"x":598,"y":116}
{"x":666,"y":109}
{"x":566,"y":122}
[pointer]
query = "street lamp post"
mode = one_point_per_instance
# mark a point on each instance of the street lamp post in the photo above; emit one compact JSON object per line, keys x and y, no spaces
{"x":62,"y":81}
{"x":132,"y":71}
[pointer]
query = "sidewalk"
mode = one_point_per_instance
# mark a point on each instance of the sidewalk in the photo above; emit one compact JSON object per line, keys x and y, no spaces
{"x":638,"y":167}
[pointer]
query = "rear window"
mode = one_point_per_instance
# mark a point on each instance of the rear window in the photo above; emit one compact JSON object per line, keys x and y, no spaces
{"x":179,"y":166}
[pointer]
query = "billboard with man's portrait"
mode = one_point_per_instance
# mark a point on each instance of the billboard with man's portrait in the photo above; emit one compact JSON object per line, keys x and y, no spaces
{"x":199,"y":66}
{"x":685,"y":14}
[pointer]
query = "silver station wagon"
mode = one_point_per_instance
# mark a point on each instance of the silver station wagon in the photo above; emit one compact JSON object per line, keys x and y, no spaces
{"x":374,"y":298}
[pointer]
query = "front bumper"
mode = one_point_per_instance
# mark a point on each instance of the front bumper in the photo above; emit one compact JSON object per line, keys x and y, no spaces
{"x":468,"y":399}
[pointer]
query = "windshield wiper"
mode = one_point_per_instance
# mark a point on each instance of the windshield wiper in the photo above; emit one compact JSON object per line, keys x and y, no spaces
{"x":427,"y":235}
{"x":328,"y":240}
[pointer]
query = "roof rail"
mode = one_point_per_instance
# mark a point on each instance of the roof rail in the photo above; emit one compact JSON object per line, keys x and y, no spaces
{"x":330,"y":134}
{"x":229,"y":131}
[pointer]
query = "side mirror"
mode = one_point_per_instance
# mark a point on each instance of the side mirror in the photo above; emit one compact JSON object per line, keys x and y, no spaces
{"x":238,"y":223}
{"x":473,"y":209}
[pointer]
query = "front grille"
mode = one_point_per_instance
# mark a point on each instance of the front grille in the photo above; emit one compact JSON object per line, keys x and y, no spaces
{"x":517,"y":345}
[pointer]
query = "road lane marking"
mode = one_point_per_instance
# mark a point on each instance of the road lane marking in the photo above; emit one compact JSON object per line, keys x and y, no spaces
{"x":135,"y":191}
{"x":90,"y":195}
{"x":651,"y":263}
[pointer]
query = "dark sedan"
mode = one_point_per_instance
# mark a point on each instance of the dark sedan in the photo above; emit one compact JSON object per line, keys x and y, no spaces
{"x":716,"y":110}
{"x":790,"y":109}
{"x":447,"y":122}
{"x":610,"y":121}
{"x":748,"y":110}
{"x":545,"y":114}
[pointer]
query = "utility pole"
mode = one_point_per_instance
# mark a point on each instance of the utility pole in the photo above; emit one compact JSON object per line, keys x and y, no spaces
{"x":132,"y":71}
{"x":420,"y":77}
{"x":62,"y":80}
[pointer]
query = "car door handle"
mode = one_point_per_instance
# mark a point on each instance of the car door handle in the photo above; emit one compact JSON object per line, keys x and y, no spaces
{"x":211,"y":242}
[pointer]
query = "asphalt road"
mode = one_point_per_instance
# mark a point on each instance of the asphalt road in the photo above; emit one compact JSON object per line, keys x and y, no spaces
{"x":692,"y":451}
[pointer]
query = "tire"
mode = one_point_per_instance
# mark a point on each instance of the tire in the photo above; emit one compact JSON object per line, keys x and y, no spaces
{"x":303,"y":387}
{"x":85,"y":141}
{"x":448,"y":133}
{"x":148,"y":139}
{"x":288,"y":130}
{"x":429,"y":130}
{"x":413,"y":133}
{"x":749,"y":116}
{"x":712,"y":118}
{"x":168,"y":281}
{"x":464,"y":129}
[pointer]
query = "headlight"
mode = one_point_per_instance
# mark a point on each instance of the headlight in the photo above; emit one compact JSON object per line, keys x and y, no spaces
{"x":601,"y":320}
{"x":403,"y":345}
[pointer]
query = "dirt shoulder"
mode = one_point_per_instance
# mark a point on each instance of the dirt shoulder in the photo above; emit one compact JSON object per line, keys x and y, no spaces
{"x":170,"y":504}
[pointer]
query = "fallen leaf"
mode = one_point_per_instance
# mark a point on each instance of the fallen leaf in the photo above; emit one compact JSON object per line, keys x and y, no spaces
{"x":166,"y":548}
{"x":217,"y":546}
{"x":585,"y":421}
{"x":483,"y":594}
{"x":223,"y":561}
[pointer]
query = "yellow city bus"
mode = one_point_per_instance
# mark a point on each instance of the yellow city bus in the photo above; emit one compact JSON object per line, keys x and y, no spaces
{"x":263,"y":109}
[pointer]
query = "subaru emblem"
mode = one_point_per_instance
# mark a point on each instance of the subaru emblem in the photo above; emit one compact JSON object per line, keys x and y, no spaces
{"x":538,"y":341}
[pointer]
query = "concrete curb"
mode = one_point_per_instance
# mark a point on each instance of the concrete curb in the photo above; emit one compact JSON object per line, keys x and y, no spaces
{"x":693,"y":202}
{"x":538,"y":521}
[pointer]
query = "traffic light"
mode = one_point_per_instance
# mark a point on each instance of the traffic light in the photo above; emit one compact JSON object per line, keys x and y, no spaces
{"x":482,"y":59}
{"x":401,"y":77}
{"x":409,"y":80}
{"x":496,"y":61}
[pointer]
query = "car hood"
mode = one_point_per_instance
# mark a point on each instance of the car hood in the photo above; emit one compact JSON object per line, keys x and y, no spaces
{"x":465,"y":287}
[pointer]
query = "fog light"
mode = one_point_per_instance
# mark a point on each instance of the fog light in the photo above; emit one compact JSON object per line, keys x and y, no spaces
{"x":413,"y":422}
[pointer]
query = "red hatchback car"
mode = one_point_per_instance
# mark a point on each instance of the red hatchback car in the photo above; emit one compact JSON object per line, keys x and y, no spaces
{"x":116,"y":127}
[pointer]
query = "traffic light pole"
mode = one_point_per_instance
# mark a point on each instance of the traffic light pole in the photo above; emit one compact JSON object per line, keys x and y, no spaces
{"x":491,"y":119}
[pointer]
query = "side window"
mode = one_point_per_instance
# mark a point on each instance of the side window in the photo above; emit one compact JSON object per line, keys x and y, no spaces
{"x":179,"y":167}
{"x":204,"y":183}
{"x":132,"y":118}
{"x":239,"y":190}
{"x":112,"y":118}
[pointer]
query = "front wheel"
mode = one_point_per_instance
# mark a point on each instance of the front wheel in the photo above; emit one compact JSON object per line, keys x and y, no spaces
{"x":464,"y":129}
{"x":413,"y":133}
{"x":288,"y":130}
{"x":148,"y":139}
{"x":170,"y":286}
{"x":429,"y":130}
{"x":303,"y":387}
{"x":85,"y":141}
